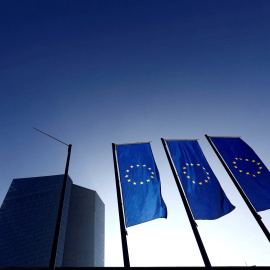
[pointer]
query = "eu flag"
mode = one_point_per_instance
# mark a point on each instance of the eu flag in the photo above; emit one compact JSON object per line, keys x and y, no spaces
{"x":140,"y":184}
{"x":247,"y":168}
{"x":206,"y":198}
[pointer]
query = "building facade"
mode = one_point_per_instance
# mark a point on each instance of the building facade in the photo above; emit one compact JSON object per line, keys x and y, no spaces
{"x":27,"y":224}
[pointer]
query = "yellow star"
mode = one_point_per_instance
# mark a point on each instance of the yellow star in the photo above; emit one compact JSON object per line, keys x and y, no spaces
{"x":152,"y":176}
{"x":188,"y":176}
{"x":260,"y":168}
{"x":129,"y":180}
{"x":247,"y":173}
{"x":203,"y":168}
{"x":152,"y":173}
{"x":193,"y":182}
{"x":184,"y":172}
{"x":127,"y":170}
{"x":253,"y":160}
{"x":236,"y":158}
{"x":198,"y":164}
{"x":240,"y":171}
{"x":206,"y":181}
{"x":141,"y":183}
{"x":191,"y":164}
{"x":144,"y":165}
{"x":207,"y":173}
{"x":240,"y":158}
{"x":126,"y":176}
{"x":187,"y":164}
{"x":200,"y":183}
{"x":258,"y":163}
{"x":131,"y":166}
{"x":253,"y":175}
{"x":184,"y":168}
{"x":258,"y":172}
{"x":235,"y":167}
{"x":138,"y":165}
{"x":234,"y":162}
{"x":134,"y":183}
{"x":208,"y":177}
{"x":246,"y":159}
{"x":149,"y":169}
{"x":148,"y":180}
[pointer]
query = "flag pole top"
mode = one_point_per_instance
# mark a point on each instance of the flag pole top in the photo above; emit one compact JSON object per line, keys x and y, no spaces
{"x":222,"y":136}
{"x":180,"y":140}
{"x":116,"y":144}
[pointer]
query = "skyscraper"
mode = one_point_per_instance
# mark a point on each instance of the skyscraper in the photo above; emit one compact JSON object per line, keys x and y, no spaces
{"x":28,"y":218}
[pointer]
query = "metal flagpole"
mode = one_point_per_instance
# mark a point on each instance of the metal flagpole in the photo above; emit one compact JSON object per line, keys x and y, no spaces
{"x":61,"y":204}
{"x":187,"y":208}
{"x":121,"y":211}
{"x":241,"y":191}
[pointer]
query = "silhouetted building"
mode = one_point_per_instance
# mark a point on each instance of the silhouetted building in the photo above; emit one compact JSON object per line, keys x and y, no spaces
{"x":28,"y":218}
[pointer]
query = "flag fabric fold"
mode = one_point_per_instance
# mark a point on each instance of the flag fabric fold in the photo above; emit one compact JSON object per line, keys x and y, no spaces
{"x":206,"y":198}
{"x":140,"y":184}
{"x":249,"y":171}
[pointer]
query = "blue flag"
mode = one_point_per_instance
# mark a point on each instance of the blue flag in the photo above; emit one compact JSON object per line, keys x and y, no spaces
{"x":140,"y":184}
{"x":206,"y":198}
{"x":247,"y":168}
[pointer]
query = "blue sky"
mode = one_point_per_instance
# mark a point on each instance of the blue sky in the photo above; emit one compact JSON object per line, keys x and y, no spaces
{"x":96,"y":72}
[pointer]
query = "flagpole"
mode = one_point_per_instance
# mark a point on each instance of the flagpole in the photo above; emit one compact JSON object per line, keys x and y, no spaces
{"x":240,"y":190}
{"x":120,"y":211}
{"x":61,"y":204}
{"x":187,"y":208}
{"x":60,"y":211}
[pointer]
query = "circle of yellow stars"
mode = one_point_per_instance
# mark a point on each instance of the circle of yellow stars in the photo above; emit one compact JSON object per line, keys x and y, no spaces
{"x":201,"y":182}
{"x":254,"y":173}
{"x":140,"y":182}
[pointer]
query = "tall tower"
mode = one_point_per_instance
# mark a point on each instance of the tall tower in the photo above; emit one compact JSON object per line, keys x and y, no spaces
{"x":28,"y":218}
{"x":85,"y":221}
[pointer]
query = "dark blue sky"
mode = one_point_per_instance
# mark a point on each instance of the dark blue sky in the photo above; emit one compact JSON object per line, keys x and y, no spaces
{"x":92,"y":54}
{"x":95,"y":72}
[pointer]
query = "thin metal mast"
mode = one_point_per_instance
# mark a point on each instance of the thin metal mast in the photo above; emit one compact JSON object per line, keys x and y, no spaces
{"x":187,"y":208}
{"x":121,"y":211}
{"x":241,"y":191}
{"x":61,"y":204}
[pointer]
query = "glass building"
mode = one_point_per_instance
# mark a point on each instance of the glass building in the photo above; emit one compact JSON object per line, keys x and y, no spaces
{"x":27,"y":224}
